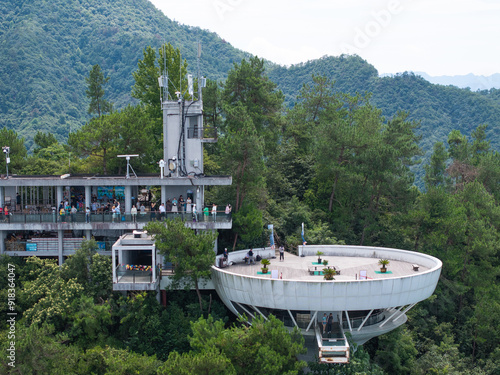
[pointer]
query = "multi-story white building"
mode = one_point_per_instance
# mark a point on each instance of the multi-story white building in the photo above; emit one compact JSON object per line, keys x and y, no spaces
{"x":36,"y":227}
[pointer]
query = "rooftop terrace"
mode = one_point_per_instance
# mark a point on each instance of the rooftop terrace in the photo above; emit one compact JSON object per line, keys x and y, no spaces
{"x":300,"y":268}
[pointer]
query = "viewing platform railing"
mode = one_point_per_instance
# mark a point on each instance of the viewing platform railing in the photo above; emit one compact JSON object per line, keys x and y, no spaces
{"x":27,"y":218}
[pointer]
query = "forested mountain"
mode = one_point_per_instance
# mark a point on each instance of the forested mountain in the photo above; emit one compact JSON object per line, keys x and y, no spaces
{"x":439,"y":109}
{"x":47,"y":48}
{"x":470,"y":81}
{"x":327,"y":143}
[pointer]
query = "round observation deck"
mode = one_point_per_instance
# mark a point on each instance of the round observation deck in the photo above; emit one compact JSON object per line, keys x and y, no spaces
{"x":412,"y":277}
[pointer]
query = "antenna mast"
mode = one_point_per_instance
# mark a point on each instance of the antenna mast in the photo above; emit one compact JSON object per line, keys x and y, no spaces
{"x":198,"y":61}
{"x":163,"y":79}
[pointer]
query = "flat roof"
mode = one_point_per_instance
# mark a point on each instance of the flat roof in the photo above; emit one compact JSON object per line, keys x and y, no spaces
{"x":113,"y":180}
{"x":298,"y":268}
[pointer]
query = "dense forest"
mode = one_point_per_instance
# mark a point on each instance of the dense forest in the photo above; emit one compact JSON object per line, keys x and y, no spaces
{"x":332,"y":161}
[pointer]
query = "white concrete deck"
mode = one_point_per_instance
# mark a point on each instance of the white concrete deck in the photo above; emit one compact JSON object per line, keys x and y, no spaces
{"x":297,"y":268}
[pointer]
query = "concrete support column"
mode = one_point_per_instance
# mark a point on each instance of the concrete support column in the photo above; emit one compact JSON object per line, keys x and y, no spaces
{"x":88,"y":234}
{"x":128,"y":198}
{"x":59,"y":195}
{"x":2,"y":241}
{"x":2,"y":196}
{"x":153,"y":263}
{"x":113,"y":263}
{"x":60,"y":235}
{"x":199,"y":199}
{"x":164,"y":194}
{"x":216,"y":244}
{"x":88,"y":198}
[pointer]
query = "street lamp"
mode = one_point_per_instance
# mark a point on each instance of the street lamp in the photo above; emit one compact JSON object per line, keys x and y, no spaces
{"x":6,"y":151}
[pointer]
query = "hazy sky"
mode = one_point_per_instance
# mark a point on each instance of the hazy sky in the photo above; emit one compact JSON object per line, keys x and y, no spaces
{"x":440,"y":37}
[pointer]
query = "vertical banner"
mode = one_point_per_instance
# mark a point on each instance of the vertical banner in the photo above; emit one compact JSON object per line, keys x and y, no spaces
{"x":271,"y":239}
{"x":302,"y":233}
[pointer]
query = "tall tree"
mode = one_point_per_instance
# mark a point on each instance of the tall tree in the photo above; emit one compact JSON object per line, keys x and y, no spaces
{"x":91,"y":270}
{"x":435,"y":171}
{"x":242,"y":156}
{"x":191,"y":254}
{"x":120,"y":132}
{"x":17,"y":154}
{"x":95,"y":92}
{"x":168,"y":61}
{"x":248,"y":85}
{"x":97,"y":139}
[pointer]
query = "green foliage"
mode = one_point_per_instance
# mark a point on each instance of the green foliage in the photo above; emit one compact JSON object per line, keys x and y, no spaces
{"x":384,"y":262}
{"x":95,"y":92}
{"x":112,"y":361}
{"x":248,"y":86}
{"x":91,"y":270}
{"x":90,"y":323}
{"x":103,"y":138}
{"x":248,"y":224}
{"x":209,"y":361}
{"x":10,"y":138}
{"x":96,"y":139}
{"x":48,"y":294}
{"x":265,"y":262}
{"x":43,"y":140}
{"x":340,"y":162}
{"x":328,"y":273}
{"x":64,"y":40}
{"x":167,"y":62}
{"x":435,"y":170}
{"x":37,"y":350}
{"x":265,"y":347}
{"x":396,"y":352}
{"x":191,"y":254}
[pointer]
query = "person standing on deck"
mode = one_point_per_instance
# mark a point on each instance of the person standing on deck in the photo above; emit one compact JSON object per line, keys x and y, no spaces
{"x":329,"y":323}
{"x":214,"y":211}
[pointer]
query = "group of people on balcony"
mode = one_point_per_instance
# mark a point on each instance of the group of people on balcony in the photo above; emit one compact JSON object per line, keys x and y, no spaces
{"x":70,"y":211}
{"x":174,"y":206}
{"x":65,"y":211}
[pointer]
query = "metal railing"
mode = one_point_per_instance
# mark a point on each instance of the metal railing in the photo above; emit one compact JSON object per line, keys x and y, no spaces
{"x":51,"y":244}
{"x":356,"y":322}
{"x":133,"y":276}
{"x":32,"y":218}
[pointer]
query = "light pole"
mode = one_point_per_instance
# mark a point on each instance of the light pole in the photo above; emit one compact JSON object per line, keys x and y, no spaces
{"x":6,"y":151}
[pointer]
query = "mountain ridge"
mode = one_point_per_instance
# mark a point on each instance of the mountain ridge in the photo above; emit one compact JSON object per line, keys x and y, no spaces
{"x":464,"y":81}
{"x":48,"y":48}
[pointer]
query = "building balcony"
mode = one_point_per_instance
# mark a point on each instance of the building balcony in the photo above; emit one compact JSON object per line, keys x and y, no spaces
{"x":129,"y":279}
{"x":78,"y":221}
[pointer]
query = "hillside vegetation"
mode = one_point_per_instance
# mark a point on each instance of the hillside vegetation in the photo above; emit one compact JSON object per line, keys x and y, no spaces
{"x":47,"y":48}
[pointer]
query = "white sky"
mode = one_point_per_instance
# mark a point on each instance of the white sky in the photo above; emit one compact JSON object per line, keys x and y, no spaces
{"x":439,"y":37}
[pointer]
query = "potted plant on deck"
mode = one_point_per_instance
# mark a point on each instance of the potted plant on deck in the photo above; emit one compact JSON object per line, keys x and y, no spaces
{"x":328,"y":273}
{"x":325,"y":262}
{"x":319,"y":254}
{"x":265,"y":263}
{"x":383,"y":265}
